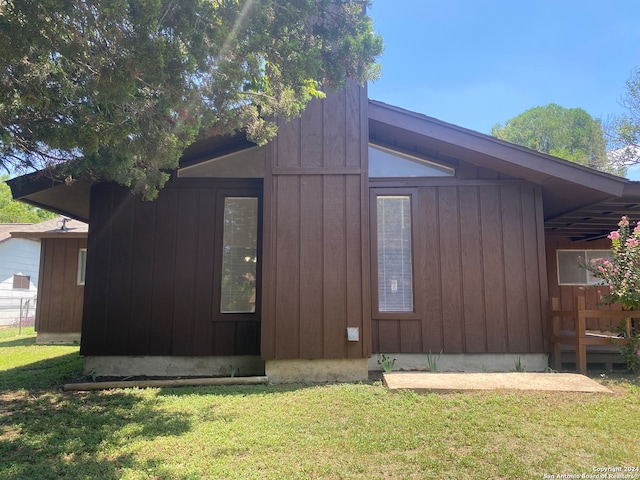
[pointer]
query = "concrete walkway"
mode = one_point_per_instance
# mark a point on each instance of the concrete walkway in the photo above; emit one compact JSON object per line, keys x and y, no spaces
{"x":459,"y":382}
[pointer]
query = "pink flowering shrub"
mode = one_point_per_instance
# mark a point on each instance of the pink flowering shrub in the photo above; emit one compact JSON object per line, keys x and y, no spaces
{"x":622,"y":274}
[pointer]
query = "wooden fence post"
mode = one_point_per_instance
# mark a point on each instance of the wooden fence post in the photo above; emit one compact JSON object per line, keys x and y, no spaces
{"x":555,"y":332}
{"x":581,"y":334}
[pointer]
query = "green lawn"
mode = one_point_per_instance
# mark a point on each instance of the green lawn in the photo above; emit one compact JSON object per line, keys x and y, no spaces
{"x":299,"y":431}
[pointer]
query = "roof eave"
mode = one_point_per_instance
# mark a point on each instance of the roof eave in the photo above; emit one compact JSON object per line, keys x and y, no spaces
{"x":531,"y":165}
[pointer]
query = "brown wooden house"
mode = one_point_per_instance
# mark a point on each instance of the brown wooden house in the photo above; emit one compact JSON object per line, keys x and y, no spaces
{"x":63,"y":253}
{"x":361,"y":229}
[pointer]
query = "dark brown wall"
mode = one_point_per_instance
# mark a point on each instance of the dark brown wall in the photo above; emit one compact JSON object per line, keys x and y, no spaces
{"x":316,"y":241}
{"x":479,"y":271}
{"x":59,"y":307}
{"x":149,"y":288}
{"x":567,"y":293}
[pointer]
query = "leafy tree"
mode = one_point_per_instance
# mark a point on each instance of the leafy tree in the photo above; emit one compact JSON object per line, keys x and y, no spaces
{"x":12,"y":211}
{"x":624,"y":130}
{"x":116,"y":89}
{"x":571,"y":134}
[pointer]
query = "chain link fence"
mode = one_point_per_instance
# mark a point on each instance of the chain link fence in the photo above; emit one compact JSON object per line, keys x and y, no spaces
{"x":18,"y":311}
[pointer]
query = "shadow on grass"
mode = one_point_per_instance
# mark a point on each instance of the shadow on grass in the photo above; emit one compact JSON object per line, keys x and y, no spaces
{"x":44,"y":374}
{"x":18,"y":342}
{"x":48,"y":434}
{"x":57,"y":435}
{"x":246,"y":390}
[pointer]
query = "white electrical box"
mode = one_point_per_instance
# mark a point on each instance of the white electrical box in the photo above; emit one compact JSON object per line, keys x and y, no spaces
{"x":353,"y":334}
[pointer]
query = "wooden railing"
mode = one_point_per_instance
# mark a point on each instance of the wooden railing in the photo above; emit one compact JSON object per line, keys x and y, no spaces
{"x":580,"y":338}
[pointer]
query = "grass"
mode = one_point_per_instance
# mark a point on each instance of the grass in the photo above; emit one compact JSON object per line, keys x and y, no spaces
{"x":299,"y":431}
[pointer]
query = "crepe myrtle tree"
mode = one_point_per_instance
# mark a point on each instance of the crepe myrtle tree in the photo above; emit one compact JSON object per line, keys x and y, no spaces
{"x":116,"y":89}
{"x":622,"y":275}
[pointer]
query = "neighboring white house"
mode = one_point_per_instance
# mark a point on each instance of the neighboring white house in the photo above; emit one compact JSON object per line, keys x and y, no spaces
{"x":19,"y":268}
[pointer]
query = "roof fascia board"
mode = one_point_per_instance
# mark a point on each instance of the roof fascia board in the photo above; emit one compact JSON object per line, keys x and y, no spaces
{"x":522,"y":157}
{"x":58,"y":234}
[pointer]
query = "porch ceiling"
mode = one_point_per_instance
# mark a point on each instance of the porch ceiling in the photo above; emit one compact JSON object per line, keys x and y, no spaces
{"x":594,"y":221}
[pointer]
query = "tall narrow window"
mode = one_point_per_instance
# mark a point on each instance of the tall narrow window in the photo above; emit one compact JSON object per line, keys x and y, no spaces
{"x":239,"y":255}
{"x":395,"y":275}
{"x":82,"y":265}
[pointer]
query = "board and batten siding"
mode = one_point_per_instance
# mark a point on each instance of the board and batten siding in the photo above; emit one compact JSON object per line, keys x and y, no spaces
{"x":479,"y":271}
{"x":60,"y":298}
{"x":150,"y":273}
{"x":316,"y":246}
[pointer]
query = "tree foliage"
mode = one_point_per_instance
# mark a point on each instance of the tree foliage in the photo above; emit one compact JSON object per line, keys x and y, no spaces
{"x":116,"y":89}
{"x":571,"y":134}
{"x":12,"y":211}
{"x":624,"y":130}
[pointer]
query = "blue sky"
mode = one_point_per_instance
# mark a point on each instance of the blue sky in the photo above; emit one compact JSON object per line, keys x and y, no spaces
{"x":476,"y":63}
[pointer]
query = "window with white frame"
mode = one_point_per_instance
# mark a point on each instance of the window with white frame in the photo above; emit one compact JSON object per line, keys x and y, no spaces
{"x":82,"y":265}
{"x":395,"y":264}
{"x":570,"y":266}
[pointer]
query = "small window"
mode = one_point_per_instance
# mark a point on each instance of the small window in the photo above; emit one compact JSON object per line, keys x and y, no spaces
{"x":21,"y":282}
{"x":247,"y":163}
{"x":82,"y":265}
{"x":570,"y":270}
{"x":395,"y":264}
{"x":385,"y":163}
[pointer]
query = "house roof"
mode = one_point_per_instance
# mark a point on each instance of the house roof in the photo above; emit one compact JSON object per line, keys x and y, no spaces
{"x":44,"y":190}
{"x":6,"y":228}
{"x":57,"y":227}
{"x":578,"y":201}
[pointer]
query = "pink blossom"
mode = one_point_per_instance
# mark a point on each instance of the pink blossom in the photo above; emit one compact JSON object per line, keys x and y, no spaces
{"x":624,"y":222}
{"x":615,"y":235}
{"x":632,"y":242}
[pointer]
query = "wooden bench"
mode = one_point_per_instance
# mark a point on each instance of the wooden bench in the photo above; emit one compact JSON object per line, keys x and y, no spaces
{"x":580,"y":338}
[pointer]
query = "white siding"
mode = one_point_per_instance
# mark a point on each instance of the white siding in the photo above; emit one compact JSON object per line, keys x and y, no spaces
{"x":17,"y":256}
